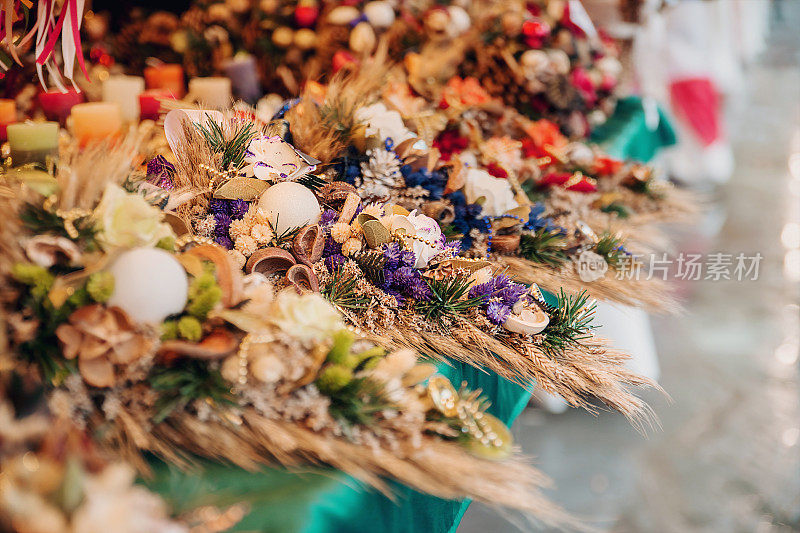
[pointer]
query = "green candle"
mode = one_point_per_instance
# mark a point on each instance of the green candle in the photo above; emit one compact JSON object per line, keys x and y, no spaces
{"x":33,"y":142}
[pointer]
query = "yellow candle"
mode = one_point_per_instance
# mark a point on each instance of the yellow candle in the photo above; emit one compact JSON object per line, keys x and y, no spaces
{"x":33,"y":142}
{"x":213,"y":92}
{"x":96,"y":121}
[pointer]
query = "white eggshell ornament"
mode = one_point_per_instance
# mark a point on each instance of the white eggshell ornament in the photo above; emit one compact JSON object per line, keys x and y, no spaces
{"x":459,"y":20}
{"x":529,"y":321}
{"x":362,"y":38}
{"x":379,"y":13}
{"x":288,"y":206}
{"x":149,"y":284}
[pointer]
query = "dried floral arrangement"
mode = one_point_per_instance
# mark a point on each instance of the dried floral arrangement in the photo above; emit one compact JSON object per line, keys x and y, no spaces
{"x":389,"y":270}
{"x":502,"y":185}
{"x":151,"y":339}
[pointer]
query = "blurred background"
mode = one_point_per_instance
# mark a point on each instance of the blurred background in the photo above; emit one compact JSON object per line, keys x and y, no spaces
{"x":727,"y":457}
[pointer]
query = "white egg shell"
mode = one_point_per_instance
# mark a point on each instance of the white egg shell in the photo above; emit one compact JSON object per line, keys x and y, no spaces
{"x":459,"y":20}
{"x":149,"y":284}
{"x":527,"y":322}
{"x":342,"y":15}
{"x":289,"y":205}
{"x":379,"y":13}
{"x":362,"y":38}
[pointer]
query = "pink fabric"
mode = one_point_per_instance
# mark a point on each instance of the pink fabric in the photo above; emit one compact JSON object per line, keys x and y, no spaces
{"x":697,"y":101}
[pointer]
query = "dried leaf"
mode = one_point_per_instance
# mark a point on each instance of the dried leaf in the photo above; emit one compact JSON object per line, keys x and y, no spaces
{"x":247,"y":189}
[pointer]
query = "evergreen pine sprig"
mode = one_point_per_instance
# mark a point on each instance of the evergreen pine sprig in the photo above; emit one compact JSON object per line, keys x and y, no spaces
{"x":358,"y":402}
{"x":340,"y":290}
{"x":610,"y":247}
{"x":544,"y":246}
{"x":233,"y":148}
{"x":570,"y":323}
{"x":448,"y":298}
{"x":39,"y":220}
{"x":181,"y":384}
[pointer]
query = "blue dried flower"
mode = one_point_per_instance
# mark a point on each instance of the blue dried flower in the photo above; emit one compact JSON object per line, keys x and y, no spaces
{"x":404,"y":277}
{"x":239,"y":209}
{"x":497,"y":312}
{"x":501,"y":282}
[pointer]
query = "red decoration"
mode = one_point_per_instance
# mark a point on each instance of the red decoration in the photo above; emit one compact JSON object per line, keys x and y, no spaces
{"x":57,"y":105}
{"x":342,"y":59}
{"x":306,"y":16}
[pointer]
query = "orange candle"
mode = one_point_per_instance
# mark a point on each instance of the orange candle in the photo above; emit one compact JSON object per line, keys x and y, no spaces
{"x":96,"y":121}
{"x":166,"y":76}
{"x":8,"y":115}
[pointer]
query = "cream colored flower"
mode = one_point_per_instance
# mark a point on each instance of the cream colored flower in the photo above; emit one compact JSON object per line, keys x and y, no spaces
{"x":262,"y":233}
{"x":351,"y":246}
{"x":127,"y":220}
{"x":307,"y":317}
{"x":498,"y":198}
{"x":383,"y":124}
{"x":340,"y":232}
{"x":246,"y":244}
{"x":239,"y":228}
{"x":238,"y":258}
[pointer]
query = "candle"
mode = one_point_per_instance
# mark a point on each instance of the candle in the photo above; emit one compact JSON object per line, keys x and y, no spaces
{"x":165,"y":76}
{"x":124,"y":90}
{"x":96,"y":121}
{"x":213,"y":92}
{"x":33,"y":142}
{"x":57,"y":105}
{"x":8,"y":115}
{"x":244,"y":77}
{"x":150,"y":102}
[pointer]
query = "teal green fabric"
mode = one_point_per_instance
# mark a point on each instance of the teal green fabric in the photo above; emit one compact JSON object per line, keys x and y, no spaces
{"x":625,"y":134}
{"x":325,"y":500}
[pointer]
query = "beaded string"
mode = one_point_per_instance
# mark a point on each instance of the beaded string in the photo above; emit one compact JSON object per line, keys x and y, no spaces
{"x":70,"y":216}
{"x":487,"y":220}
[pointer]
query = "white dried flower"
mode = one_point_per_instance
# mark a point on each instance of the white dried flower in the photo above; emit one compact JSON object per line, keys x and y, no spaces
{"x":239,"y":228}
{"x":246,"y":244}
{"x":262,"y":233}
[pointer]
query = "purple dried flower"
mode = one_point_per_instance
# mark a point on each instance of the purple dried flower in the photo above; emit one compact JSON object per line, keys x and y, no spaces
{"x":420,"y":290}
{"x":334,"y":261}
{"x":216,"y":205}
{"x":497,"y":312}
{"x":512,"y":293}
{"x":482,"y":290}
{"x":388,"y":278}
{"x":328,"y":217}
{"x":223,"y":222}
{"x":408,"y":258}
{"x":501,"y":282}
{"x":404,"y":277}
{"x":331,"y":248}
{"x":239,"y":209}
{"x":393,"y":255}
{"x":224,"y":241}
